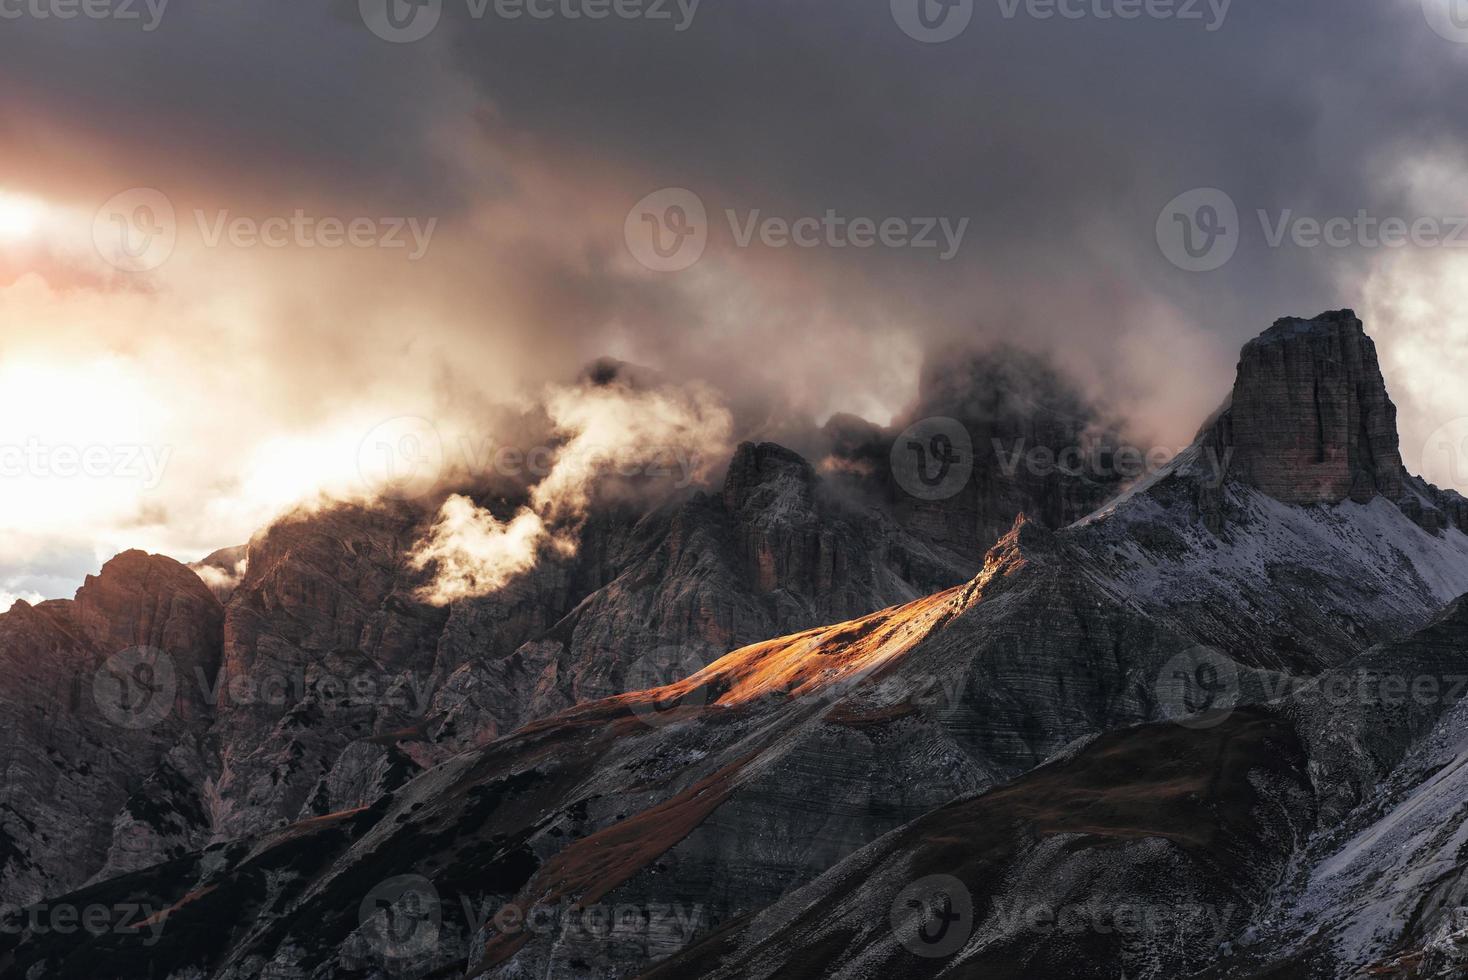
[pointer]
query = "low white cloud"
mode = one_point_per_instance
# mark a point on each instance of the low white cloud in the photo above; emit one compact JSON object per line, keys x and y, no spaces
{"x":662,"y":436}
{"x":8,"y":599}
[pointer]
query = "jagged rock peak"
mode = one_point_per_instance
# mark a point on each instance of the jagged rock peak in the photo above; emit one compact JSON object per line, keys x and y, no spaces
{"x":1310,"y":420}
{"x":140,"y":599}
{"x":606,"y":371}
{"x":764,"y":468}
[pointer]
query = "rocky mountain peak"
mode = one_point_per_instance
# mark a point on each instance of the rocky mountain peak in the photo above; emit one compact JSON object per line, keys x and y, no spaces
{"x":1310,"y":420}
{"x":140,"y":599}
{"x":764,"y":473}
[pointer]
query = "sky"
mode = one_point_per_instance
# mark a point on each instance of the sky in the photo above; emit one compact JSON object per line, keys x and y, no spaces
{"x":245,"y":246}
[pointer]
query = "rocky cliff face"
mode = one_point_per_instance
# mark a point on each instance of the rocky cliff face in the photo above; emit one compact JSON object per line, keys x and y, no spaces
{"x":327,"y":683}
{"x":1310,"y":420}
{"x":775,"y":552}
{"x":100,"y":697}
{"x":1318,"y":834}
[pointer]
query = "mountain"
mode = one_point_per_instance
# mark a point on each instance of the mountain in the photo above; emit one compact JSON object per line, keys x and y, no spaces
{"x":1141,"y":710}
{"x":325,"y":682}
{"x":1026,"y":439}
{"x":102,"y":720}
{"x":1316,"y":835}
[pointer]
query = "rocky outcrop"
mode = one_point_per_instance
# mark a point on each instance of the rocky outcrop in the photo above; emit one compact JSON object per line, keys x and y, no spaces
{"x":223,"y":570}
{"x":1316,"y":835}
{"x":774,"y":553}
{"x":1031,"y":443}
{"x":1310,"y":420}
{"x":98,"y":692}
{"x":1138,"y":855}
{"x":324,"y":646}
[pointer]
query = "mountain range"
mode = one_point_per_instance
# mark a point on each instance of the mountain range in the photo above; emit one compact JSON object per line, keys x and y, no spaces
{"x":843,"y":717}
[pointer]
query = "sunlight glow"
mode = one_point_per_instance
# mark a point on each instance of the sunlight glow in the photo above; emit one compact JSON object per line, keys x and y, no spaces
{"x":20,"y":216}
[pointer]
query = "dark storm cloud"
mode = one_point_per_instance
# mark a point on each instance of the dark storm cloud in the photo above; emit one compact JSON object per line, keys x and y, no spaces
{"x":267,"y":99}
{"x":1061,"y":139}
{"x":1059,"y":142}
